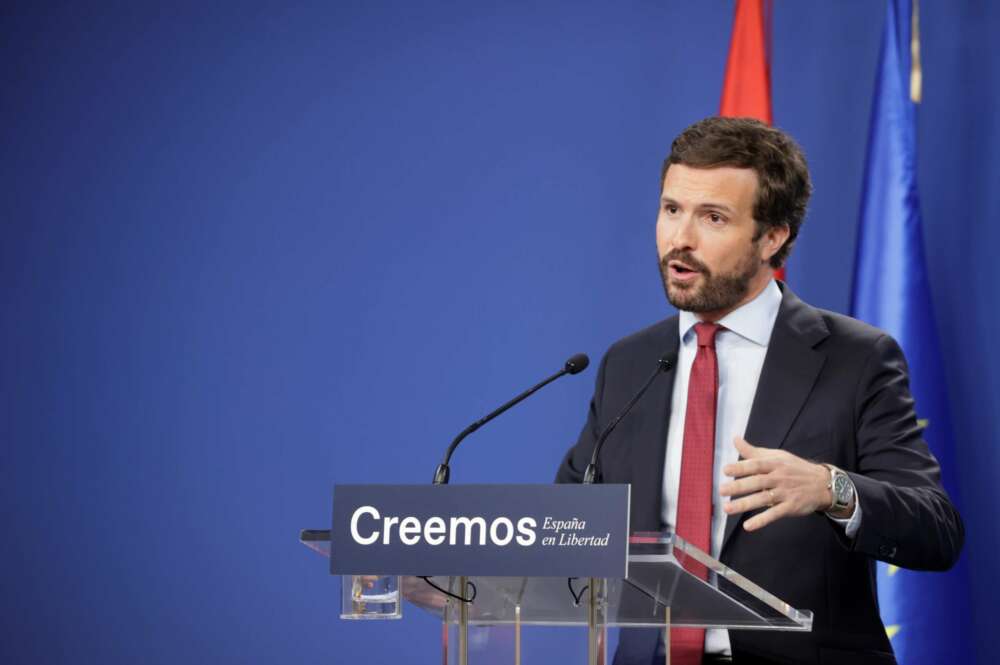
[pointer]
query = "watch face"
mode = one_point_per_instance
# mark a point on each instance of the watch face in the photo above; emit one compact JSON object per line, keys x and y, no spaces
{"x":842,"y":489}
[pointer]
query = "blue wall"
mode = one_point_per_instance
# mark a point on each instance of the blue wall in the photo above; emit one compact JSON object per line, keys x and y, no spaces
{"x":250,"y":251}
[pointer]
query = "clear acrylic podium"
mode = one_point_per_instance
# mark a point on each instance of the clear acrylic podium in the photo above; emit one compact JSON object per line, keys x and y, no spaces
{"x":669,"y":583}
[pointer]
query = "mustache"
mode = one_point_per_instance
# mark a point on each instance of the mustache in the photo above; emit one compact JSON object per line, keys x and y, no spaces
{"x":684,"y":257}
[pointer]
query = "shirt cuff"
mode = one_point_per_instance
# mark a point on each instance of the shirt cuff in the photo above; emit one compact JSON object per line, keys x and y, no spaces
{"x":853,"y":523}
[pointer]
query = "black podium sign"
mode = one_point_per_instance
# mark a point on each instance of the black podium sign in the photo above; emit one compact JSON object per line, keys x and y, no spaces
{"x":499,"y":530}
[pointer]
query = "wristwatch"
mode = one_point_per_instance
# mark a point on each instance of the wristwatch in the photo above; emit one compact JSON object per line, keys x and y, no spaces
{"x":841,"y":488}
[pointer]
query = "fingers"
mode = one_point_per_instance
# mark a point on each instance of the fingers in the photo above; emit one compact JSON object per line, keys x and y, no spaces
{"x":754,"y":459}
{"x":776,"y":509}
{"x":760,"y":520}
{"x":747,"y":451}
{"x":754,"y":483}
{"x":776,"y":481}
{"x":765,"y":498}
{"x":749,"y":467}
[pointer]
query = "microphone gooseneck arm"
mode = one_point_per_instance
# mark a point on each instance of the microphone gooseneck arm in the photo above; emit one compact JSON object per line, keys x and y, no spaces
{"x":574,"y":365}
{"x":592,"y":475}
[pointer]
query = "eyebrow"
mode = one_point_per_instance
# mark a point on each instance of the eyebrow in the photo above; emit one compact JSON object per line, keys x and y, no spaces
{"x":702,"y":206}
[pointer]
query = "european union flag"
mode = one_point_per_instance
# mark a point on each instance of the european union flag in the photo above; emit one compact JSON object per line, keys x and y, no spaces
{"x":926,"y":614}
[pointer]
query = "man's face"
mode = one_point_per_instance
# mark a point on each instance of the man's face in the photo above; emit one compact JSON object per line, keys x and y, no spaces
{"x":705,"y":230}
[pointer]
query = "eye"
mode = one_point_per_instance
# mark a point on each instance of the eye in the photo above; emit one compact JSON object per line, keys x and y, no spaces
{"x":670,"y":208}
{"x":716,"y":218}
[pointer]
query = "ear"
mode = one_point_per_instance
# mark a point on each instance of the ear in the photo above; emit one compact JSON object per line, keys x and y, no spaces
{"x":772,"y":240}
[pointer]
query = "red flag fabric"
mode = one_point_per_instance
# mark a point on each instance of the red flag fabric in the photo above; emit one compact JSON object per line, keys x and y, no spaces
{"x":746,"y":90}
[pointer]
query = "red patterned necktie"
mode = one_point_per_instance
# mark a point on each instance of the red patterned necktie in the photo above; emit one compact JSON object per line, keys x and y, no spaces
{"x":694,"y":499}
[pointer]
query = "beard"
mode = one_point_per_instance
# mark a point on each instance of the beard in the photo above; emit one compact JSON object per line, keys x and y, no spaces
{"x":714,"y":292}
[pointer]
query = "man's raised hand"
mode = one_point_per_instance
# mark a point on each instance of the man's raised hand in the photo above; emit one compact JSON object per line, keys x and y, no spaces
{"x":785,"y":484}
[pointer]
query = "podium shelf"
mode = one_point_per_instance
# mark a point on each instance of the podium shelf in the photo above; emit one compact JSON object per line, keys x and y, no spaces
{"x":669,"y":582}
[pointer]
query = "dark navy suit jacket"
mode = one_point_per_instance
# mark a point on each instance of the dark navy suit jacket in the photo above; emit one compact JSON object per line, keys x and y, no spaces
{"x":832,"y":389}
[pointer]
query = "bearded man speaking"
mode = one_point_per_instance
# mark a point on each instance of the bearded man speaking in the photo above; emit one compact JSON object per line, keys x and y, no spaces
{"x":785,"y":442}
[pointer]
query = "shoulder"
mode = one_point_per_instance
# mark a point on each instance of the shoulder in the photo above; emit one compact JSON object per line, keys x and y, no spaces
{"x":632,"y":357}
{"x":829,"y":331}
{"x":851,"y":332}
{"x":649,"y":343}
{"x":851,"y":348}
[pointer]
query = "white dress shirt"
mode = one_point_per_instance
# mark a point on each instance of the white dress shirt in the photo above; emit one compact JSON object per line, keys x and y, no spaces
{"x":740,"y":349}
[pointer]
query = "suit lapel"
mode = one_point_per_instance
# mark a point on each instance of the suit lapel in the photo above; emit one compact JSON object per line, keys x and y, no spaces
{"x":649,"y":450}
{"x":790,"y":369}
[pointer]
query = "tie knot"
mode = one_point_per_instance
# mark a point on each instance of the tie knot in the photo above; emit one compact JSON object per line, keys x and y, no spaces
{"x":706,"y":333}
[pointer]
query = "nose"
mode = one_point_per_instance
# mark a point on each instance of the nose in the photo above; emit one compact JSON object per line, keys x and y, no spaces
{"x":683,"y":234}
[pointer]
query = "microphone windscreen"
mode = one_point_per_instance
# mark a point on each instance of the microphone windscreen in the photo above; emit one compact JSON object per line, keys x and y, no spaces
{"x":667,"y":361}
{"x":577,"y":363}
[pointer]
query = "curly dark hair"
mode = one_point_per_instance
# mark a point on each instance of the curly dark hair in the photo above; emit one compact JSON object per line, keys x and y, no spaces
{"x":783,"y":185}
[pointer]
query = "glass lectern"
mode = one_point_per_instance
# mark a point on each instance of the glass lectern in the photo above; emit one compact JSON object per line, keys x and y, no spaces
{"x":669,"y":583}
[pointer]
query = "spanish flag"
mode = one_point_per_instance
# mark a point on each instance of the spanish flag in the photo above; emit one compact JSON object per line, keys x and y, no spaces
{"x":746,"y":90}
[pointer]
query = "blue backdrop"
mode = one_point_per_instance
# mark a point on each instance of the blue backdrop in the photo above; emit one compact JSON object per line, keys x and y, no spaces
{"x":252,"y":250}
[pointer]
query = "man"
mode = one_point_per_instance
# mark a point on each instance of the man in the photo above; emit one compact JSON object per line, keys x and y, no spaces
{"x":785,"y":442}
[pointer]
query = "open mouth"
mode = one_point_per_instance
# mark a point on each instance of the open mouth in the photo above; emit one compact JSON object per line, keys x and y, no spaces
{"x":682,"y":271}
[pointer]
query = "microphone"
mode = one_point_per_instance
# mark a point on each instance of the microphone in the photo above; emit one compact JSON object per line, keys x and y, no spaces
{"x":663,"y":365}
{"x":574,"y":365}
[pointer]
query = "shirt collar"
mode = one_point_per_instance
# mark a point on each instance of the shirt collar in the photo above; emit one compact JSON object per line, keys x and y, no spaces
{"x":753,"y":321}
